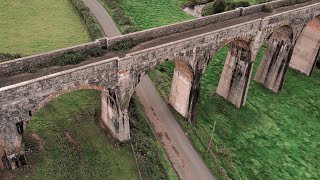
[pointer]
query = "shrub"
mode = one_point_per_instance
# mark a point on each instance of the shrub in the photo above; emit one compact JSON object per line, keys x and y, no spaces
{"x":233,"y":5}
{"x":89,"y":20}
{"x":263,"y":1}
{"x":207,"y":9}
{"x":119,"y":16}
{"x":7,"y":56}
{"x":267,"y":8}
{"x":217,"y":6}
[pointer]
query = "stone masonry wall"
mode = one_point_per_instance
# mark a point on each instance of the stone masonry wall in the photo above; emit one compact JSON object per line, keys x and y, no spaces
{"x":30,"y":61}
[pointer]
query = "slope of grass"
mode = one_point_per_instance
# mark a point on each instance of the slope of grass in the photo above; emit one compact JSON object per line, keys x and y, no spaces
{"x":89,"y":155}
{"x":146,"y":14}
{"x":152,"y":160}
{"x":273,"y":137}
{"x":34,"y":26}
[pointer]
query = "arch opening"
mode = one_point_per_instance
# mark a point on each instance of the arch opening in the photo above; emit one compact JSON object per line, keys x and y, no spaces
{"x":273,"y":66}
{"x":173,"y":80}
{"x":71,"y":126}
{"x":307,"y":49}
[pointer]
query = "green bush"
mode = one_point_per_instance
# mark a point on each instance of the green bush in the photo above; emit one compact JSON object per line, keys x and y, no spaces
{"x":263,"y":1}
{"x":91,"y":23}
{"x":219,"y":6}
{"x":7,"y":56}
{"x":234,"y":5}
{"x":267,"y":8}
{"x":119,"y":16}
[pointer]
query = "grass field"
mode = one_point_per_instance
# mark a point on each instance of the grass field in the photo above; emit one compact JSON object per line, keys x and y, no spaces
{"x":74,"y":146}
{"x":34,"y":26}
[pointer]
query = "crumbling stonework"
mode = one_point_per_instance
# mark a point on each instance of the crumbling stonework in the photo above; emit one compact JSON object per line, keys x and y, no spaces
{"x":117,"y":77}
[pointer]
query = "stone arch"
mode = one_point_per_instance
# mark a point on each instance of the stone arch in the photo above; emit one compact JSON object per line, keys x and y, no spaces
{"x":13,"y":151}
{"x":234,"y":80}
{"x":306,"y":52}
{"x":273,"y":66}
{"x":55,"y":95}
{"x":108,"y":99}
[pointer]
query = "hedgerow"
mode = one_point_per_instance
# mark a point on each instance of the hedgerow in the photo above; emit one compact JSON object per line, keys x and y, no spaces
{"x":7,"y":56}
{"x":90,"y":21}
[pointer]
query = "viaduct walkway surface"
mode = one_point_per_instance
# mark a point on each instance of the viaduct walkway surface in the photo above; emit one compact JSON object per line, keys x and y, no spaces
{"x":6,"y":81}
{"x":186,"y":161}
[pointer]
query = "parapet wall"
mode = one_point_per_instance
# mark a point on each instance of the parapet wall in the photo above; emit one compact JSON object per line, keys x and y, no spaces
{"x":273,"y":5}
{"x":149,"y":34}
{"x":36,"y":60}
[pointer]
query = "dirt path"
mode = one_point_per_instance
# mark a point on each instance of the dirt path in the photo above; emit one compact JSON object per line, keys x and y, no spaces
{"x":186,"y":161}
{"x":106,"y":22}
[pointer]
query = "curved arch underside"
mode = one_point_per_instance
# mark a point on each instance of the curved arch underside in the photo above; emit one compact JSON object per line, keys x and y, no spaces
{"x":307,"y":48}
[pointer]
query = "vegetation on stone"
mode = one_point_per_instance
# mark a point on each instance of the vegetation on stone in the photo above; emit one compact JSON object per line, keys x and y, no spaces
{"x":7,"y":56}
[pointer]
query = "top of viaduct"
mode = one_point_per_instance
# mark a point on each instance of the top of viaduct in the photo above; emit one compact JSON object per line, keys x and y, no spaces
{"x":174,"y":34}
{"x":285,"y":12}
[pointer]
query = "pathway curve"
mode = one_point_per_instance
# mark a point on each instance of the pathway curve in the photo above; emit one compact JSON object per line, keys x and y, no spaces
{"x":186,"y":161}
{"x":105,"y":20}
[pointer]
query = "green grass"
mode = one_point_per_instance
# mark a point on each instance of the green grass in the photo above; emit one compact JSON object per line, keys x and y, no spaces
{"x":152,"y":159}
{"x":275,"y":136}
{"x":35,"y":26}
{"x":146,"y":14}
{"x":95,"y":158}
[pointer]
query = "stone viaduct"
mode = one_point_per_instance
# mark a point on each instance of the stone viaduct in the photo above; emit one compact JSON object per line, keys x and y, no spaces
{"x":291,"y":34}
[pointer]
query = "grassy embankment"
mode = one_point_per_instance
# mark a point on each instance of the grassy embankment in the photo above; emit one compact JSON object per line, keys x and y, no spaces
{"x":273,"y":137}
